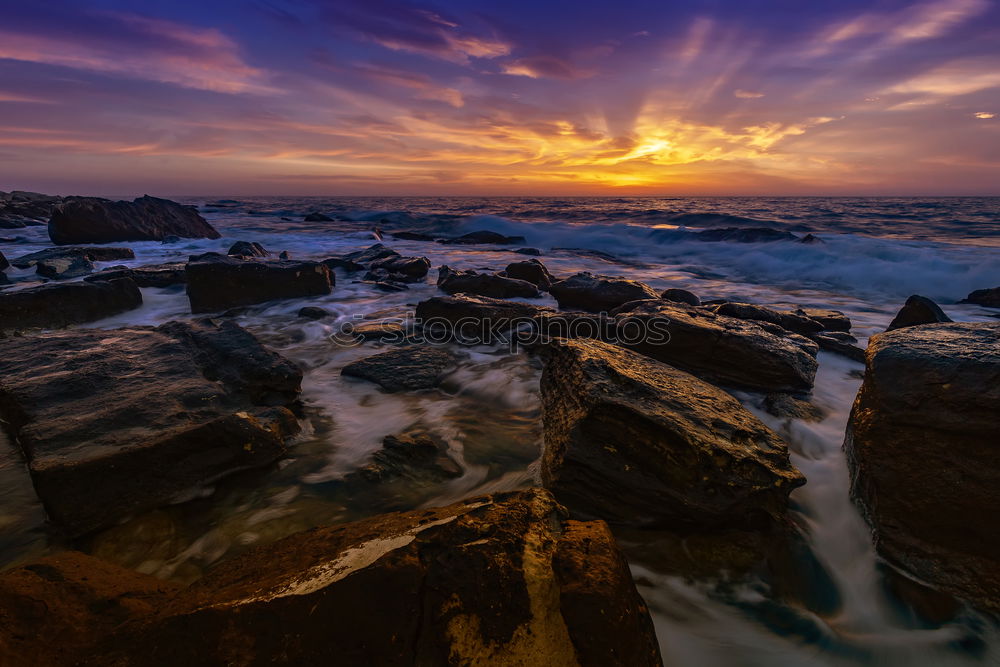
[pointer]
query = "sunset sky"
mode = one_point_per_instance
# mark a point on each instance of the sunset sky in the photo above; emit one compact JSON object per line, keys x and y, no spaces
{"x":177,"y":97}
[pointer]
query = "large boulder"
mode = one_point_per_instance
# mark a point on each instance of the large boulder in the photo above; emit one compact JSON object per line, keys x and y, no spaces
{"x":484,"y":284}
{"x":680,"y":296}
{"x":474,"y":319}
{"x":923,"y":450}
{"x":502,"y":579}
{"x":113,"y":423}
{"x":916,"y":311}
{"x":531,"y":270}
{"x":984,"y":297}
{"x":60,"y":305}
{"x":586,"y":291}
{"x":94,"y":220}
{"x":149,"y":275}
{"x":90,"y":254}
{"x":217,"y":282}
{"x":409,"y":368}
{"x":406,"y":269}
{"x":720,"y":349}
{"x":636,"y":442}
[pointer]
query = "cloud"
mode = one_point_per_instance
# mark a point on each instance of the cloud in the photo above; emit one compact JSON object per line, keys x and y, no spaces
{"x":747,"y":94}
{"x":426,"y":88}
{"x":545,"y":67}
{"x":984,"y":115}
{"x":960,"y":77}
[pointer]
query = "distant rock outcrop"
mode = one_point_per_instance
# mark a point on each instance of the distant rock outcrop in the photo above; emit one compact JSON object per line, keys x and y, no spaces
{"x":95,"y":220}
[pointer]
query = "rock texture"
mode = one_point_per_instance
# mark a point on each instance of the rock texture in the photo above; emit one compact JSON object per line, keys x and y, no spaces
{"x":474,"y":317}
{"x":405,"y":269}
{"x":531,"y":270}
{"x":922,"y":445}
{"x":93,"y":220}
{"x":636,"y":442}
{"x":117,"y":422}
{"x":916,"y":311}
{"x":60,"y":305}
{"x":247,"y":249}
{"x":791,"y":321}
{"x":596,"y":294}
{"x":484,"y":284}
{"x":19,"y":209}
{"x":150,"y":275}
{"x":64,"y":268}
{"x":409,"y":368}
{"x":217,"y":282}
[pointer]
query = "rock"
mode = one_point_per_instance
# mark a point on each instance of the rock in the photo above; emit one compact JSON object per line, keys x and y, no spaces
{"x":680,"y":296}
{"x":60,"y":305}
{"x":562,"y":324}
{"x":832,"y":320}
{"x":118,"y":422}
{"x":410,"y":368}
{"x":150,"y":275}
{"x":532,"y":271}
{"x":313,"y":313}
{"x":411,"y":269}
{"x":474,"y":319}
{"x":412,"y":236}
{"x":916,"y":311}
{"x":217,"y":282}
{"x":170,"y":239}
{"x":90,"y":254}
{"x":637,"y":442}
{"x":722,"y":349}
{"x":412,"y":456}
{"x":483,"y":284}
{"x":284,"y":254}
{"x":340,"y":263}
{"x":247,"y":249}
{"x":484,"y":237}
{"x":21,"y":209}
{"x":528,"y":251}
{"x":810,"y":239}
{"x":922,"y":448}
{"x":93,"y":220}
{"x":64,"y":268}
{"x":788,"y":406}
{"x":501,"y":579}
{"x":4,"y":264}
{"x":791,"y":321}
{"x":839,"y":342}
{"x":317,"y":217}
{"x":388,"y":331}
{"x":744,"y":235}
{"x":371,"y":254}
{"x":594,"y":293}
{"x":984,"y":297}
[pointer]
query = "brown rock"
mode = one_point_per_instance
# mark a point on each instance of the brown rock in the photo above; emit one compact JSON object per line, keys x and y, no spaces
{"x":484,"y":284}
{"x":532,"y":271}
{"x":586,"y":291}
{"x":410,"y":368}
{"x":90,"y":254}
{"x":984,"y":297}
{"x":217,"y":282}
{"x":680,"y":296}
{"x":150,"y":275}
{"x":94,"y":220}
{"x":916,"y":311}
{"x":60,"y":305}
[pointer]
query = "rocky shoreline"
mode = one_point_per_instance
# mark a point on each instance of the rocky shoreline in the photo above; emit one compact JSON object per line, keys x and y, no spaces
{"x":644,"y":438}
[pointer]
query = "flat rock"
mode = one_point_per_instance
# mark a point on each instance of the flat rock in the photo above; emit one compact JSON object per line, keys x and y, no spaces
{"x":483,"y":237}
{"x":64,"y":268}
{"x":410,"y":368}
{"x":839,"y":342}
{"x":832,"y":320}
{"x":744,"y":235}
{"x":789,"y":320}
{"x":922,"y":446}
{"x":117,"y":422}
{"x":532,"y":271}
{"x":94,"y":220}
{"x":984,"y":297}
{"x":484,"y":284}
{"x":217,"y":282}
{"x":92,"y":254}
{"x":410,"y":269}
{"x":636,"y":442}
{"x":150,"y":275}
{"x":60,"y":305}
{"x":475,"y":319}
{"x":594,"y":293}
{"x":916,"y":311}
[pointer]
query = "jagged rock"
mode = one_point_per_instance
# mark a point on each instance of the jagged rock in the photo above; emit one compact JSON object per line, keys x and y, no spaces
{"x":410,"y":368}
{"x":791,"y":321}
{"x":93,"y":220}
{"x":916,"y":311}
{"x":411,"y":269}
{"x":744,"y":235}
{"x":484,"y":237}
{"x":532,"y":271}
{"x":217,"y":282}
{"x":680,"y":296}
{"x":317,"y":217}
{"x":313,"y":313}
{"x":637,"y":442}
{"x":722,"y":349}
{"x":922,"y":447}
{"x":247,"y":249}
{"x":150,"y":275}
{"x":594,"y":293}
{"x":839,"y":342}
{"x":483,"y":284}
{"x":118,"y":422}
{"x":64,"y":268}
{"x":832,"y":320}
{"x":60,"y":305}
{"x":984,"y":297}
{"x":90,"y":254}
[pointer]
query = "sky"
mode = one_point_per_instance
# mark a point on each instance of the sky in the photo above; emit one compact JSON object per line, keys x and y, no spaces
{"x":519,"y":97}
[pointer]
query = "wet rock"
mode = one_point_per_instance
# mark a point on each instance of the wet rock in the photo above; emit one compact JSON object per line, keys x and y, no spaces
{"x":744,"y":235}
{"x":170,"y":239}
{"x":371,"y":254}
{"x":247,"y":249}
{"x":984,"y":297}
{"x":483,"y":237}
{"x":921,"y":446}
{"x":532,"y":271}
{"x":788,"y":406}
{"x":60,"y":305}
{"x":388,"y":331}
{"x":64,"y":268}
{"x":410,"y":368}
{"x":528,"y":251}
{"x":475,"y":319}
{"x":150,"y":275}
{"x":596,"y":294}
{"x":284,"y":254}
{"x":412,"y":456}
{"x":916,"y":311}
{"x":483,"y":284}
{"x":90,"y":254}
{"x":346,"y":264}
{"x":722,"y":349}
{"x":317,"y":217}
{"x":680,"y":296}
{"x":810,"y":239}
{"x":637,"y":442}
{"x":791,"y":321}
{"x":217,"y":282}
{"x":839,"y":342}
{"x":19,"y":209}
{"x":313,"y":313}
{"x":118,"y":422}
{"x":832,"y":320}
{"x":4,"y":264}
{"x":93,"y":220}
{"x":412,"y":236}
{"x":410,"y":269}
{"x":548,"y":325}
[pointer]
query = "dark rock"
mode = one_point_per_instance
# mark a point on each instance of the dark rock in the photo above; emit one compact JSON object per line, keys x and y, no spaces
{"x":548,"y":325}
{"x":484,"y":237}
{"x":313,"y":313}
{"x":531,"y":270}
{"x":475,"y":319}
{"x":791,"y":321}
{"x":594,"y":293}
{"x":90,"y":254}
{"x":984,"y":297}
{"x":744,"y":235}
{"x":371,"y":254}
{"x":93,"y":220}
{"x":150,"y":275}
{"x":412,"y":269}
{"x":409,"y":368}
{"x":170,"y":239}
{"x":388,"y":331}
{"x":217,"y":282}
{"x":832,"y":320}
{"x":839,"y":342}
{"x":346,"y":264}
{"x":788,"y":406}
{"x":637,"y":442}
{"x":916,"y":311}
{"x":922,"y":448}
{"x":118,"y":422}
{"x":60,"y":305}
{"x":247,"y":249}
{"x":412,"y":236}
{"x":284,"y":254}
{"x":528,"y":251}
{"x":483,"y":284}
{"x":412,"y":456}
{"x":4,"y":264}
{"x":21,"y":209}
{"x":64,"y":268}
{"x":809,"y":239}
{"x":389,"y":285}
{"x":317,"y":217}
{"x":680,"y":296}
{"x":722,"y":349}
